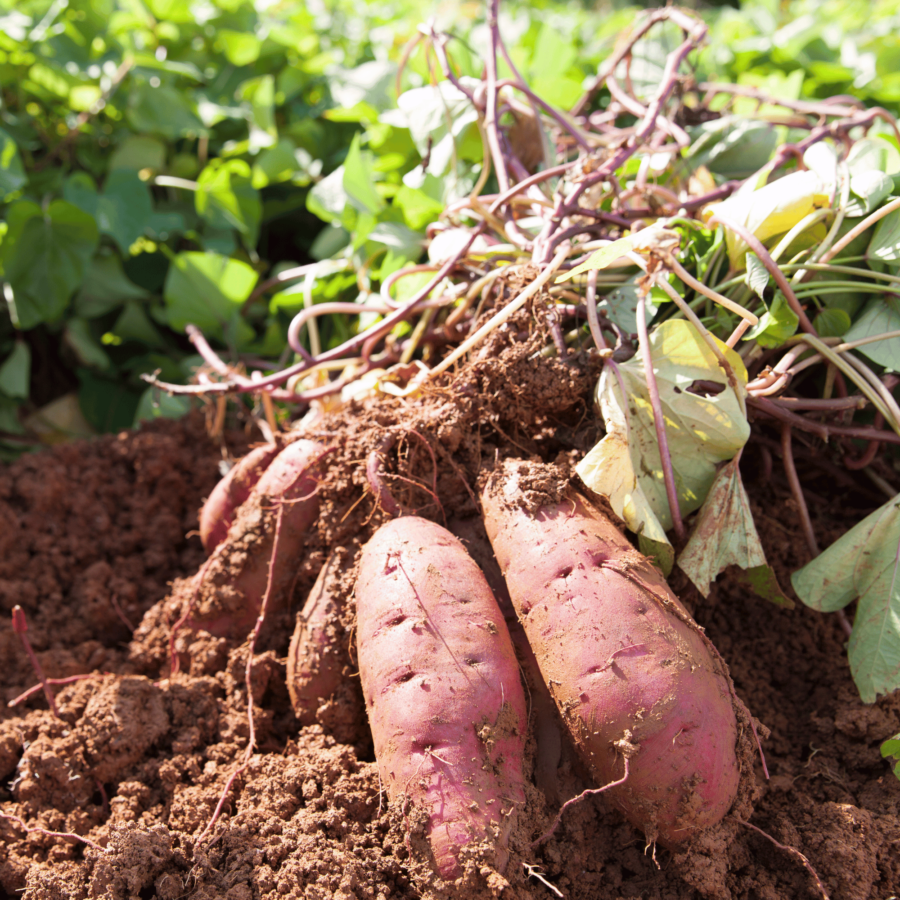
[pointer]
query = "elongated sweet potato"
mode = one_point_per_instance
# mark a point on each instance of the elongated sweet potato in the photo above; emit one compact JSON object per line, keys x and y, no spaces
{"x":545,"y":723}
{"x":317,"y":654}
{"x":229,"y":494}
{"x":228,"y":591}
{"x":442,"y":688}
{"x":631,"y":673}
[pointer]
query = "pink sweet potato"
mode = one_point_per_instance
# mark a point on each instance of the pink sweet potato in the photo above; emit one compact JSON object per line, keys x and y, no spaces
{"x":545,"y":723}
{"x":317,"y":655}
{"x":631,"y":673}
{"x":442,"y":689}
{"x":229,"y":494}
{"x":228,"y":591}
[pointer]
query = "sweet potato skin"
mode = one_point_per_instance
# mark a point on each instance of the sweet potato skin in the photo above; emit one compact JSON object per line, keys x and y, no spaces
{"x":229,"y":589}
{"x":442,"y":689}
{"x":317,"y":656}
{"x":624,"y":661}
{"x":220,"y":508}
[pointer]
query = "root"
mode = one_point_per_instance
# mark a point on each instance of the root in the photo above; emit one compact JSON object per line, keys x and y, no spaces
{"x":591,"y":791}
{"x":793,"y":851}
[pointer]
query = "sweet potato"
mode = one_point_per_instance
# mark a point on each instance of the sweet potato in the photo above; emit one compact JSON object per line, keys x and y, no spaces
{"x":631,"y":673}
{"x":545,"y":724}
{"x":442,"y":689}
{"x":317,"y":655}
{"x":229,"y":494}
{"x":228,"y":591}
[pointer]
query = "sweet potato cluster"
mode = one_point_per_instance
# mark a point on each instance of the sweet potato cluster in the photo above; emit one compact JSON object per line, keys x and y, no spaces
{"x":444,"y":661}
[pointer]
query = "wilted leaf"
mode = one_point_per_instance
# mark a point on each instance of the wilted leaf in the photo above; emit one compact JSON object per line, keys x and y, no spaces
{"x":704,"y":428}
{"x":725,"y":535}
{"x":864,"y":564}
{"x":769,"y":210}
{"x":601,"y":258}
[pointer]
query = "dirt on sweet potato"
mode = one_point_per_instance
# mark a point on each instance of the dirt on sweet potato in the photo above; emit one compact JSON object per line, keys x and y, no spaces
{"x":91,"y":536}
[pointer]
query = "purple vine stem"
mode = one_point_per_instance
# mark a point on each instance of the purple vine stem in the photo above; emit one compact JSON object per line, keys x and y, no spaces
{"x":20,"y":627}
{"x":659,"y":422}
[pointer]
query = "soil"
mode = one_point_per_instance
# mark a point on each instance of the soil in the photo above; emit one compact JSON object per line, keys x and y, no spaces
{"x":94,"y":539}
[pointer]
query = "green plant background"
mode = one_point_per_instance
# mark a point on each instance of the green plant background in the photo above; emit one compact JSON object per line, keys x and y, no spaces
{"x":158,"y":157}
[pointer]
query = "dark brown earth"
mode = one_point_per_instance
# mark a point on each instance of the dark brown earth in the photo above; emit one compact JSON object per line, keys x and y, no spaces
{"x":91,"y":537}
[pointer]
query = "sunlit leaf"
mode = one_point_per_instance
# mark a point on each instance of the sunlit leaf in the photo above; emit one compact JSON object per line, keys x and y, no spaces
{"x":769,"y":210}
{"x":226,"y":197}
{"x":206,"y":289}
{"x":704,"y":426}
{"x":358,"y":181}
{"x":776,"y":324}
{"x":601,"y":258}
{"x":864,"y":564}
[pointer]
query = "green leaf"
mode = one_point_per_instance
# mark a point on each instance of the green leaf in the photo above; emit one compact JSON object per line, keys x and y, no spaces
{"x":704,"y":427}
{"x":156,"y":405}
{"x":122,"y":211}
{"x":864,"y":564}
{"x":725,"y":535}
{"x":328,"y":199}
{"x":358,"y":180}
{"x":134,"y":324}
{"x":206,"y":289}
{"x":885,"y":244}
{"x":86,"y":347}
{"x":15,"y":373}
{"x":276,"y":164}
{"x":890,"y":750}
{"x":881,"y":315}
{"x":162,"y":110}
{"x":226,"y":198}
{"x":732,"y":147}
{"x":757,"y":275}
{"x":776,"y":325}
{"x":44,"y":255}
{"x":108,"y":405}
{"x":832,"y":323}
{"x":868,"y":189}
{"x":418,"y":208}
{"x":105,"y":287}
{"x":601,"y":258}
{"x":138,"y":152}
{"x":764,"y":583}
{"x":12,"y":172}
{"x":620,"y":305}
{"x":241,"y":48}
